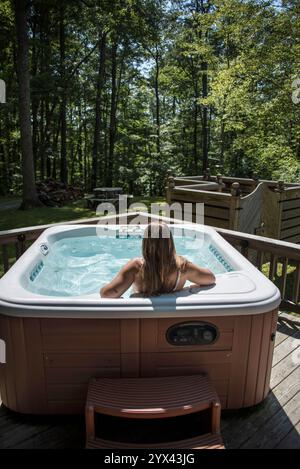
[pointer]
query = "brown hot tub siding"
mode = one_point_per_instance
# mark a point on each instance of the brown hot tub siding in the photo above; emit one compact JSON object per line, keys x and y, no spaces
{"x":49,"y":361}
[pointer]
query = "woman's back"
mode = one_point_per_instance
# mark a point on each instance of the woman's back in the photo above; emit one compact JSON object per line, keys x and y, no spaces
{"x":175,"y":281}
{"x":159,"y":271}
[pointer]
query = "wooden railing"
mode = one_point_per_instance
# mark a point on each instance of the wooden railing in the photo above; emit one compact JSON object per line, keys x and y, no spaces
{"x":279,"y":260}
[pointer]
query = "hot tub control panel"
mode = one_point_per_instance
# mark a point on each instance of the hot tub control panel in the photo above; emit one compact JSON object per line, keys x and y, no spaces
{"x":192,"y":333}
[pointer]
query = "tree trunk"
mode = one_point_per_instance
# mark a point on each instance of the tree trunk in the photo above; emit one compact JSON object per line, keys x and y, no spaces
{"x":85,"y":133}
{"x":55,"y":148}
{"x":204,"y":119}
{"x":63,"y":105}
{"x":35,"y":133}
{"x":204,"y":67}
{"x":196,"y":97}
{"x":113,"y":110}
{"x":42,"y":141}
{"x":30,"y":197}
{"x":157,"y":102}
{"x":34,"y":98}
{"x":72,"y":165}
{"x":98,"y":112}
{"x":222,"y":142}
{"x":79,"y":141}
{"x":47,"y":149}
{"x":3,"y":163}
{"x":106,"y":139}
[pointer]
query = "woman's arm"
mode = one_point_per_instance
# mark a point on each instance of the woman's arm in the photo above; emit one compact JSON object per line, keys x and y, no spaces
{"x":199,"y":276}
{"x":123,"y":280}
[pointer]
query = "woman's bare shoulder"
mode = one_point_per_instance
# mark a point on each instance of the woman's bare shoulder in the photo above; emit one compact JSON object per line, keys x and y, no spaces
{"x":183,"y":264}
{"x":133,"y":265}
{"x":191,"y":267}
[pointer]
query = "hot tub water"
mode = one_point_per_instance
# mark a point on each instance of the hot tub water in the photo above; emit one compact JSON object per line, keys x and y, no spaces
{"x":82,"y":265}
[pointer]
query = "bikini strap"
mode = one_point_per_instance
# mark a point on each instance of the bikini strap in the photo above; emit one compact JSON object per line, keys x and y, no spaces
{"x":177,"y":280}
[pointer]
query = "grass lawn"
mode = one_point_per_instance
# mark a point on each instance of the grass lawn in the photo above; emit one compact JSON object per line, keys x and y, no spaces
{"x":15,"y":218}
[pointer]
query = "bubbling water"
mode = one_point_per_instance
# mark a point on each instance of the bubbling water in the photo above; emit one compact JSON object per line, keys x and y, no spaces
{"x":82,"y":265}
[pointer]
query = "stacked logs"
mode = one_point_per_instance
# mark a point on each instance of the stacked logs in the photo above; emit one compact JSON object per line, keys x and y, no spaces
{"x":56,"y":194}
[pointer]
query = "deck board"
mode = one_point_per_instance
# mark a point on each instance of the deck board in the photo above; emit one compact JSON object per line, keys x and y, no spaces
{"x":291,"y":440}
{"x":285,"y":348}
{"x":247,"y":422}
{"x":275,"y":423}
{"x":280,"y":337}
{"x":277,"y":427}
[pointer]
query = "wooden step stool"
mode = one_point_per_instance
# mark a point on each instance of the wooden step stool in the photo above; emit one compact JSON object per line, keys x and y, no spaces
{"x":153,"y":398}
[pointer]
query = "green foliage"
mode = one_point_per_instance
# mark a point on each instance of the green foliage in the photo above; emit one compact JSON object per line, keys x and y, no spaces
{"x":251,"y":49}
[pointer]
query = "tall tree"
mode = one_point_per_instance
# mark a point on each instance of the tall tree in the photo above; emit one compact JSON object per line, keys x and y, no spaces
{"x":113,"y":111}
{"x":98,"y":109}
{"x":204,"y":69}
{"x":157,"y":99}
{"x":63,"y":103}
{"x":30,"y":197}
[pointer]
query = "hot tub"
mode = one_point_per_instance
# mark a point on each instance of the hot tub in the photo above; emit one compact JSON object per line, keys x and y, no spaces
{"x":59,"y":332}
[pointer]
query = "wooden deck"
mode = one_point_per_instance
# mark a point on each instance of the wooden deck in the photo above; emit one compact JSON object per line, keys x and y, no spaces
{"x":273,"y":424}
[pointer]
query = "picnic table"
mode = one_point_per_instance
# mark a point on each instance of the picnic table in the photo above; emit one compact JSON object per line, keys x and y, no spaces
{"x":105,"y":195}
{"x":107,"y":192}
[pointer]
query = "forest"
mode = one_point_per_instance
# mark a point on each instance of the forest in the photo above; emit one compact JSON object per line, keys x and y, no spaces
{"x":125,"y":92}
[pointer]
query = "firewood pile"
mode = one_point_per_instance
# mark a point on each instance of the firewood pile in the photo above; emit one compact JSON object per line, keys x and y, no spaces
{"x":57,"y":194}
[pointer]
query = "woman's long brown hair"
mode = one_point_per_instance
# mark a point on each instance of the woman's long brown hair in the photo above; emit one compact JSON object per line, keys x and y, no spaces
{"x":160,"y":259}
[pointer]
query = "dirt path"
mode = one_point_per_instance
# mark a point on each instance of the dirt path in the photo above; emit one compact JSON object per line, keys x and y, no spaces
{"x":6,"y":204}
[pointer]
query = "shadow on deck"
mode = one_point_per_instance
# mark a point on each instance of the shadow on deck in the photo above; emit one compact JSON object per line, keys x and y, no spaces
{"x":275,"y":423}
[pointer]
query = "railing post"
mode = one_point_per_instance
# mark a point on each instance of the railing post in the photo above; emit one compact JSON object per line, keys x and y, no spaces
{"x":170,"y":188}
{"x":206,"y":175}
{"x":21,"y":242}
{"x":244,"y":248}
{"x":259,"y":259}
{"x":273,"y":267}
{"x":283,"y":276}
{"x":220,"y":182}
{"x":5,"y":260}
{"x":280,"y":186}
{"x":234,"y":206}
{"x":235,"y":189}
{"x":281,"y":195}
{"x":255,"y":179}
{"x":296,"y":285}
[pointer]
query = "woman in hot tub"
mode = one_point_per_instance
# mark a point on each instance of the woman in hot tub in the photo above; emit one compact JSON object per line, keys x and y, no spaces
{"x":160,"y":270}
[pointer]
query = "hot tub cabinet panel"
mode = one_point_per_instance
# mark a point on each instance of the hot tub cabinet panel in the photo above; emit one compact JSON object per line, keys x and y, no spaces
{"x":49,"y":360}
